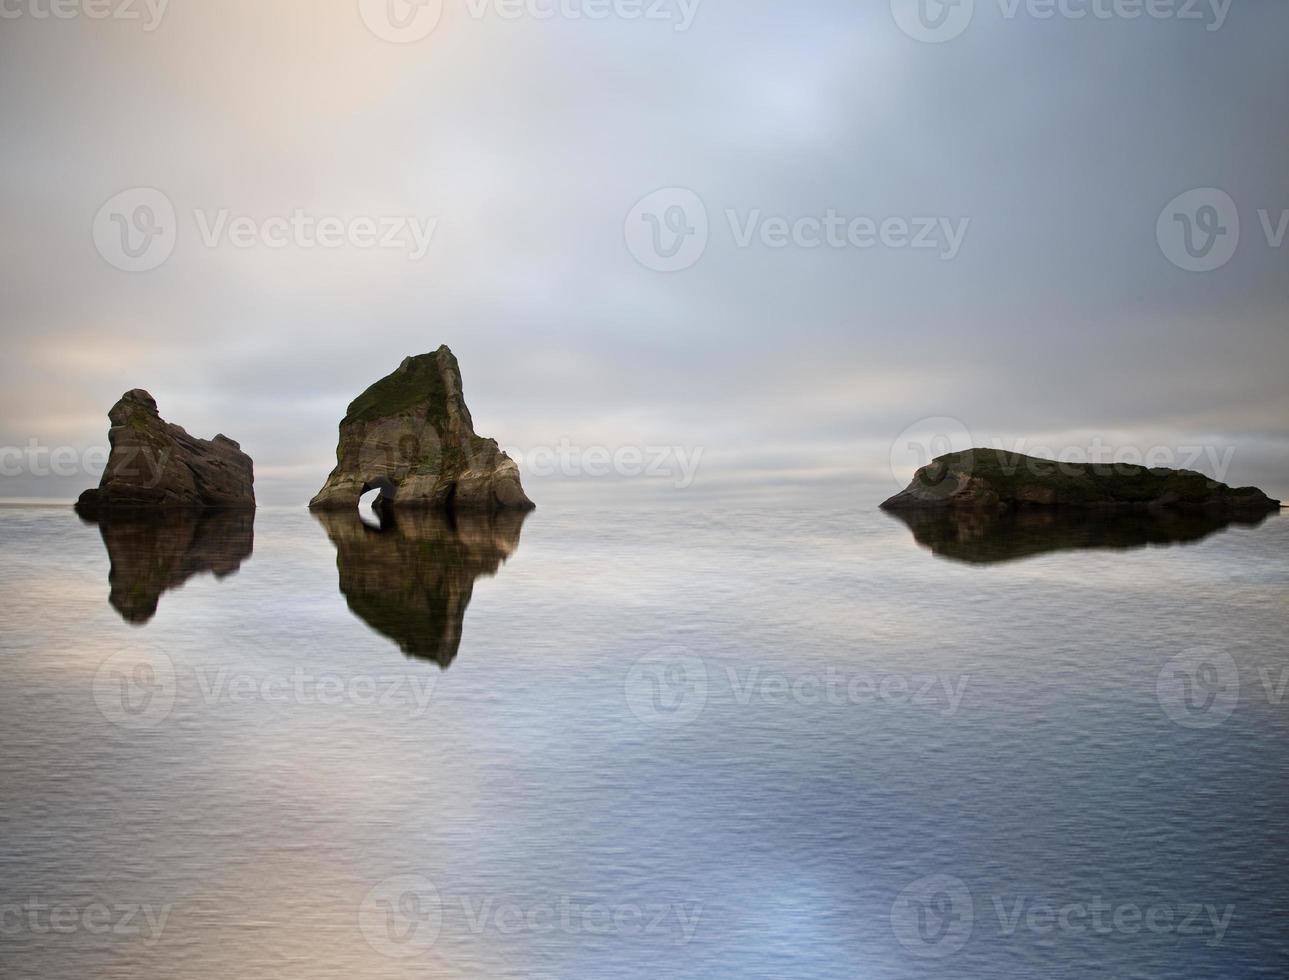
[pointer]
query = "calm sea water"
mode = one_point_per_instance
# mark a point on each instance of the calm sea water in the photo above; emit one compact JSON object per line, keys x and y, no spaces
{"x":654,"y":741}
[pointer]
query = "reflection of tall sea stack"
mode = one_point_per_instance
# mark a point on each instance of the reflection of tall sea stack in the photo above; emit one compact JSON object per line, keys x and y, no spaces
{"x":411,"y":437}
{"x":412,"y":579}
{"x":155,"y":466}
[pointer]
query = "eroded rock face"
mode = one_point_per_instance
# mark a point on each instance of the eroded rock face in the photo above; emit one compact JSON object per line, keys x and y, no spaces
{"x":992,"y":479}
{"x":410,"y":436}
{"x":412,"y":578}
{"x":155,"y":465}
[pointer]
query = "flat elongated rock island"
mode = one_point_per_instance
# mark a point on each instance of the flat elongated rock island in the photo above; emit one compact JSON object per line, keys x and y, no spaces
{"x":993,"y":479}
{"x":156,"y":466}
{"x":411,"y":437}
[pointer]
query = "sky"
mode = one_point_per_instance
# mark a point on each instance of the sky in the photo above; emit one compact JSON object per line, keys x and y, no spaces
{"x":793,"y":247}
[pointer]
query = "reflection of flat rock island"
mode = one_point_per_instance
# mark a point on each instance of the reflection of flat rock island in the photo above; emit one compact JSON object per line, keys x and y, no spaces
{"x":157,"y":466}
{"x":411,"y":437}
{"x":982,"y":537}
{"x":992,"y":479}
{"x":152,"y":554}
{"x":412,"y":578}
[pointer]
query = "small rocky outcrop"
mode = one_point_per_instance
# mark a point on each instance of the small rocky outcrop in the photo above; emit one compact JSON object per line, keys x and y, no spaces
{"x":155,"y":465}
{"x":993,"y":479}
{"x":411,"y":437}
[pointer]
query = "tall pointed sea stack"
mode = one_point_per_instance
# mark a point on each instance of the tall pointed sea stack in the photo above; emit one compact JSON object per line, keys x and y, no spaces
{"x":411,"y":437}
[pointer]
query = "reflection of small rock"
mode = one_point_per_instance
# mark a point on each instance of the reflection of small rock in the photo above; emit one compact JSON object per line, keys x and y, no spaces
{"x":992,"y":479}
{"x":987,"y":536}
{"x":411,"y":436}
{"x":153,"y":554}
{"x":412,"y":578}
{"x":155,"y":465}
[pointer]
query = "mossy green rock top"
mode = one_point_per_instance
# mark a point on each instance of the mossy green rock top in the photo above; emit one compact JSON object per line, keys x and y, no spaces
{"x":411,"y":436}
{"x":993,"y":479}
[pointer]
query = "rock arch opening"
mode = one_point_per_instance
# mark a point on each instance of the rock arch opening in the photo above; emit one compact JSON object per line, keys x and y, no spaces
{"x":375,"y":493}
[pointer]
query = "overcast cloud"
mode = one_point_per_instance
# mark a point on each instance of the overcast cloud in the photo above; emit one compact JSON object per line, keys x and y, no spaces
{"x":1040,"y":152}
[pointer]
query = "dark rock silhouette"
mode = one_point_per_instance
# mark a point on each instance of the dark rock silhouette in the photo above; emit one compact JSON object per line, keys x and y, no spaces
{"x":156,"y":466}
{"x":411,"y":436}
{"x":152,"y":554}
{"x":411,"y":578}
{"x":992,"y":479}
{"x":981,"y":537}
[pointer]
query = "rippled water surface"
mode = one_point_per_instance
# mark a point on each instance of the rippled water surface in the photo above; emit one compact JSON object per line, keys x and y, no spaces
{"x":659,"y":741}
